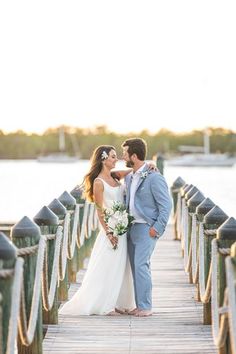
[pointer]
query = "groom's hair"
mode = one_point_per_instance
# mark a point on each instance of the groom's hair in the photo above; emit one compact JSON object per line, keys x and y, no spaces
{"x":136,"y":146}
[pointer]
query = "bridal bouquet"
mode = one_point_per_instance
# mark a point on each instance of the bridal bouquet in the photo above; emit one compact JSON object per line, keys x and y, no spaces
{"x":117,"y":219}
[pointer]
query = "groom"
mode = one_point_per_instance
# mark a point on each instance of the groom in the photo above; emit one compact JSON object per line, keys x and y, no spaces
{"x":148,"y":201}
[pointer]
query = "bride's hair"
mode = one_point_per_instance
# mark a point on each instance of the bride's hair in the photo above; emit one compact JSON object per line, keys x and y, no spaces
{"x":100,"y":154}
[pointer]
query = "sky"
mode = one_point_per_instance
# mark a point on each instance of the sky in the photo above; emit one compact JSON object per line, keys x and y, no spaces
{"x":127,"y":64}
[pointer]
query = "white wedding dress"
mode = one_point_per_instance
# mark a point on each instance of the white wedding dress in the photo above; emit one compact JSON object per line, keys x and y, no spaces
{"x":108,"y":282}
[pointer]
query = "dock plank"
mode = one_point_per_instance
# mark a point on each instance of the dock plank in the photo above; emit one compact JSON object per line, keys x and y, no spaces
{"x":175,"y":327}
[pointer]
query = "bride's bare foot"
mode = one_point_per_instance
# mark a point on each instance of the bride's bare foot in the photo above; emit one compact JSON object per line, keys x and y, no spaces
{"x":120,"y":311}
{"x":133,"y":312}
{"x":113,"y":313}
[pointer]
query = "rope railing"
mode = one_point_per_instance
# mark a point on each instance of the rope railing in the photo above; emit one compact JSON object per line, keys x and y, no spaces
{"x":194,"y":243}
{"x":1,"y":329}
{"x":68,"y":235}
{"x":27,"y":331}
{"x":231,"y":285}
{"x":48,"y":295}
{"x":202,"y":260}
{"x":90,"y":220}
{"x":64,"y":249}
{"x":83,"y":233}
{"x":204,"y":286}
{"x":219,"y":321}
{"x":75,"y":235}
{"x":178,"y":217}
{"x":15,"y":305}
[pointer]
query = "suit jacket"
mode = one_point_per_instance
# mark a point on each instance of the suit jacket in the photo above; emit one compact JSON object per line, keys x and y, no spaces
{"x":152,"y":200}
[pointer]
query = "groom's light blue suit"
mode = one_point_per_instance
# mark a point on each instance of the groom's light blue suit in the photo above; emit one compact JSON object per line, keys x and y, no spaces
{"x":153,"y":204}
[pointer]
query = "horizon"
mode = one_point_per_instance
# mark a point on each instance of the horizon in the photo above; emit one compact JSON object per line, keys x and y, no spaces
{"x":91,"y":129}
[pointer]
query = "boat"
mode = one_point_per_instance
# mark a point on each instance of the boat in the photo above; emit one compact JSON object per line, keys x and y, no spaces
{"x":58,"y":157}
{"x":201,"y":159}
{"x":61,"y":156}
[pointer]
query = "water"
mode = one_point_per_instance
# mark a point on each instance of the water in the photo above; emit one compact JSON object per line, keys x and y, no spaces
{"x":26,"y":186}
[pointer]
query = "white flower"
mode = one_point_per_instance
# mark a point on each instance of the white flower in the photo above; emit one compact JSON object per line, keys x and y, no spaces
{"x":112,"y":223}
{"x":117,"y":219}
{"x":104,"y":155}
{"x":144,"y":174}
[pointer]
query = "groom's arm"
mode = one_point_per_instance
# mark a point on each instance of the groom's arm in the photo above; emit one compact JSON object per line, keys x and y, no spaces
{"x":162,"y":198}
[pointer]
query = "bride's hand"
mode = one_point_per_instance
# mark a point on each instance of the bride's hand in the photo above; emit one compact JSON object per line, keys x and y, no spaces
{"x":152,"y":166}
{"x":113,"y":239}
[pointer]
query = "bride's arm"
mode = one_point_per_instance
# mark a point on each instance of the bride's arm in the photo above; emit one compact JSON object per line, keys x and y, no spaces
{"x":121,"y":173}
{"x":98,"y":190}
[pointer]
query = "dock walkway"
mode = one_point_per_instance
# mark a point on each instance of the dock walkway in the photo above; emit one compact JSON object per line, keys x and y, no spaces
{"x":175,"y":327}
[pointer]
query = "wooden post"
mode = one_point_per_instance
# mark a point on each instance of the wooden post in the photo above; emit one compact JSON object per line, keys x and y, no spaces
{"x":87,"y":241}
{"x":77,"y":193}
{"x":25,"y":234}
{"x":48,"y":222}
{"x":233,"y":259}
{"x":69,"y":203}
{"x":226,"y":235}
{"x":7,"y":261}
{"x":1,"y":326}
{"x":175,"y":188}
{"x":192,"y":203}
{"x":81,"y":250}
{"x":183,"y":192}
{"x":188,"y":195}
{"x":177,"y":184}
{"x":202,"y":209}
{"x":211,"y":221}
{"x":58,"y":208}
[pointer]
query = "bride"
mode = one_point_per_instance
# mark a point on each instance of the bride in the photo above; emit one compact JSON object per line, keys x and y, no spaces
{"x":107,"y":287}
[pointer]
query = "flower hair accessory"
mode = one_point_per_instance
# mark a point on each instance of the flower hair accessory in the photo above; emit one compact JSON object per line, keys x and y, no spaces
{"x":104,"y":155}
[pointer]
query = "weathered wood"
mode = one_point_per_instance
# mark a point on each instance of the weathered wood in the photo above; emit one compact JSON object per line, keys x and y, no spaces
{"x":63,"y":287}
{"x":226,"y":235}
{"x":50,"y":316}
{"x":72,"y":263}
{"x":26,"y":234}
{"x":202,"y":209}
{"x":77,"y":262}
{"x":175,"y":327}
{"x":69,"y":203}
{"x":212,"y":220}
{"x":207,"y":263}
{"x":8,"y":255}
{"x":48,"y":222}
{"x":60,"y":210}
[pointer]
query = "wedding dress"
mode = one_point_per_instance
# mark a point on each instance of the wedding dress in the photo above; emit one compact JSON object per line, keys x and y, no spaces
{"x":108,"y":282}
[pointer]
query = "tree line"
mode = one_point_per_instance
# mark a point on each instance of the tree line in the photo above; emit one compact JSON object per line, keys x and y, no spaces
{"x":20,"y":145}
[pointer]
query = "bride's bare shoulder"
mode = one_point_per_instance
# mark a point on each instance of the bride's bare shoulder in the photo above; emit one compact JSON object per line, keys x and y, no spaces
{"x":98,"y":182}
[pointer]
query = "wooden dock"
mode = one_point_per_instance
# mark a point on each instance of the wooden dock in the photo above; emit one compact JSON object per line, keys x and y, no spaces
{"x":175,"y":327}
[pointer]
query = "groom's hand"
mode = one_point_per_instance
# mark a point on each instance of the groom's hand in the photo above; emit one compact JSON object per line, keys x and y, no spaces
{"x":153,"y":232}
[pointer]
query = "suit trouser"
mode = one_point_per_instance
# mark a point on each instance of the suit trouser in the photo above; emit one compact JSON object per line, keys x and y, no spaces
{"x":140,"y":248}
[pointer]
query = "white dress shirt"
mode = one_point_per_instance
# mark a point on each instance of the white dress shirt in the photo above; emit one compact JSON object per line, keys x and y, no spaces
{"x":134,"y":183}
